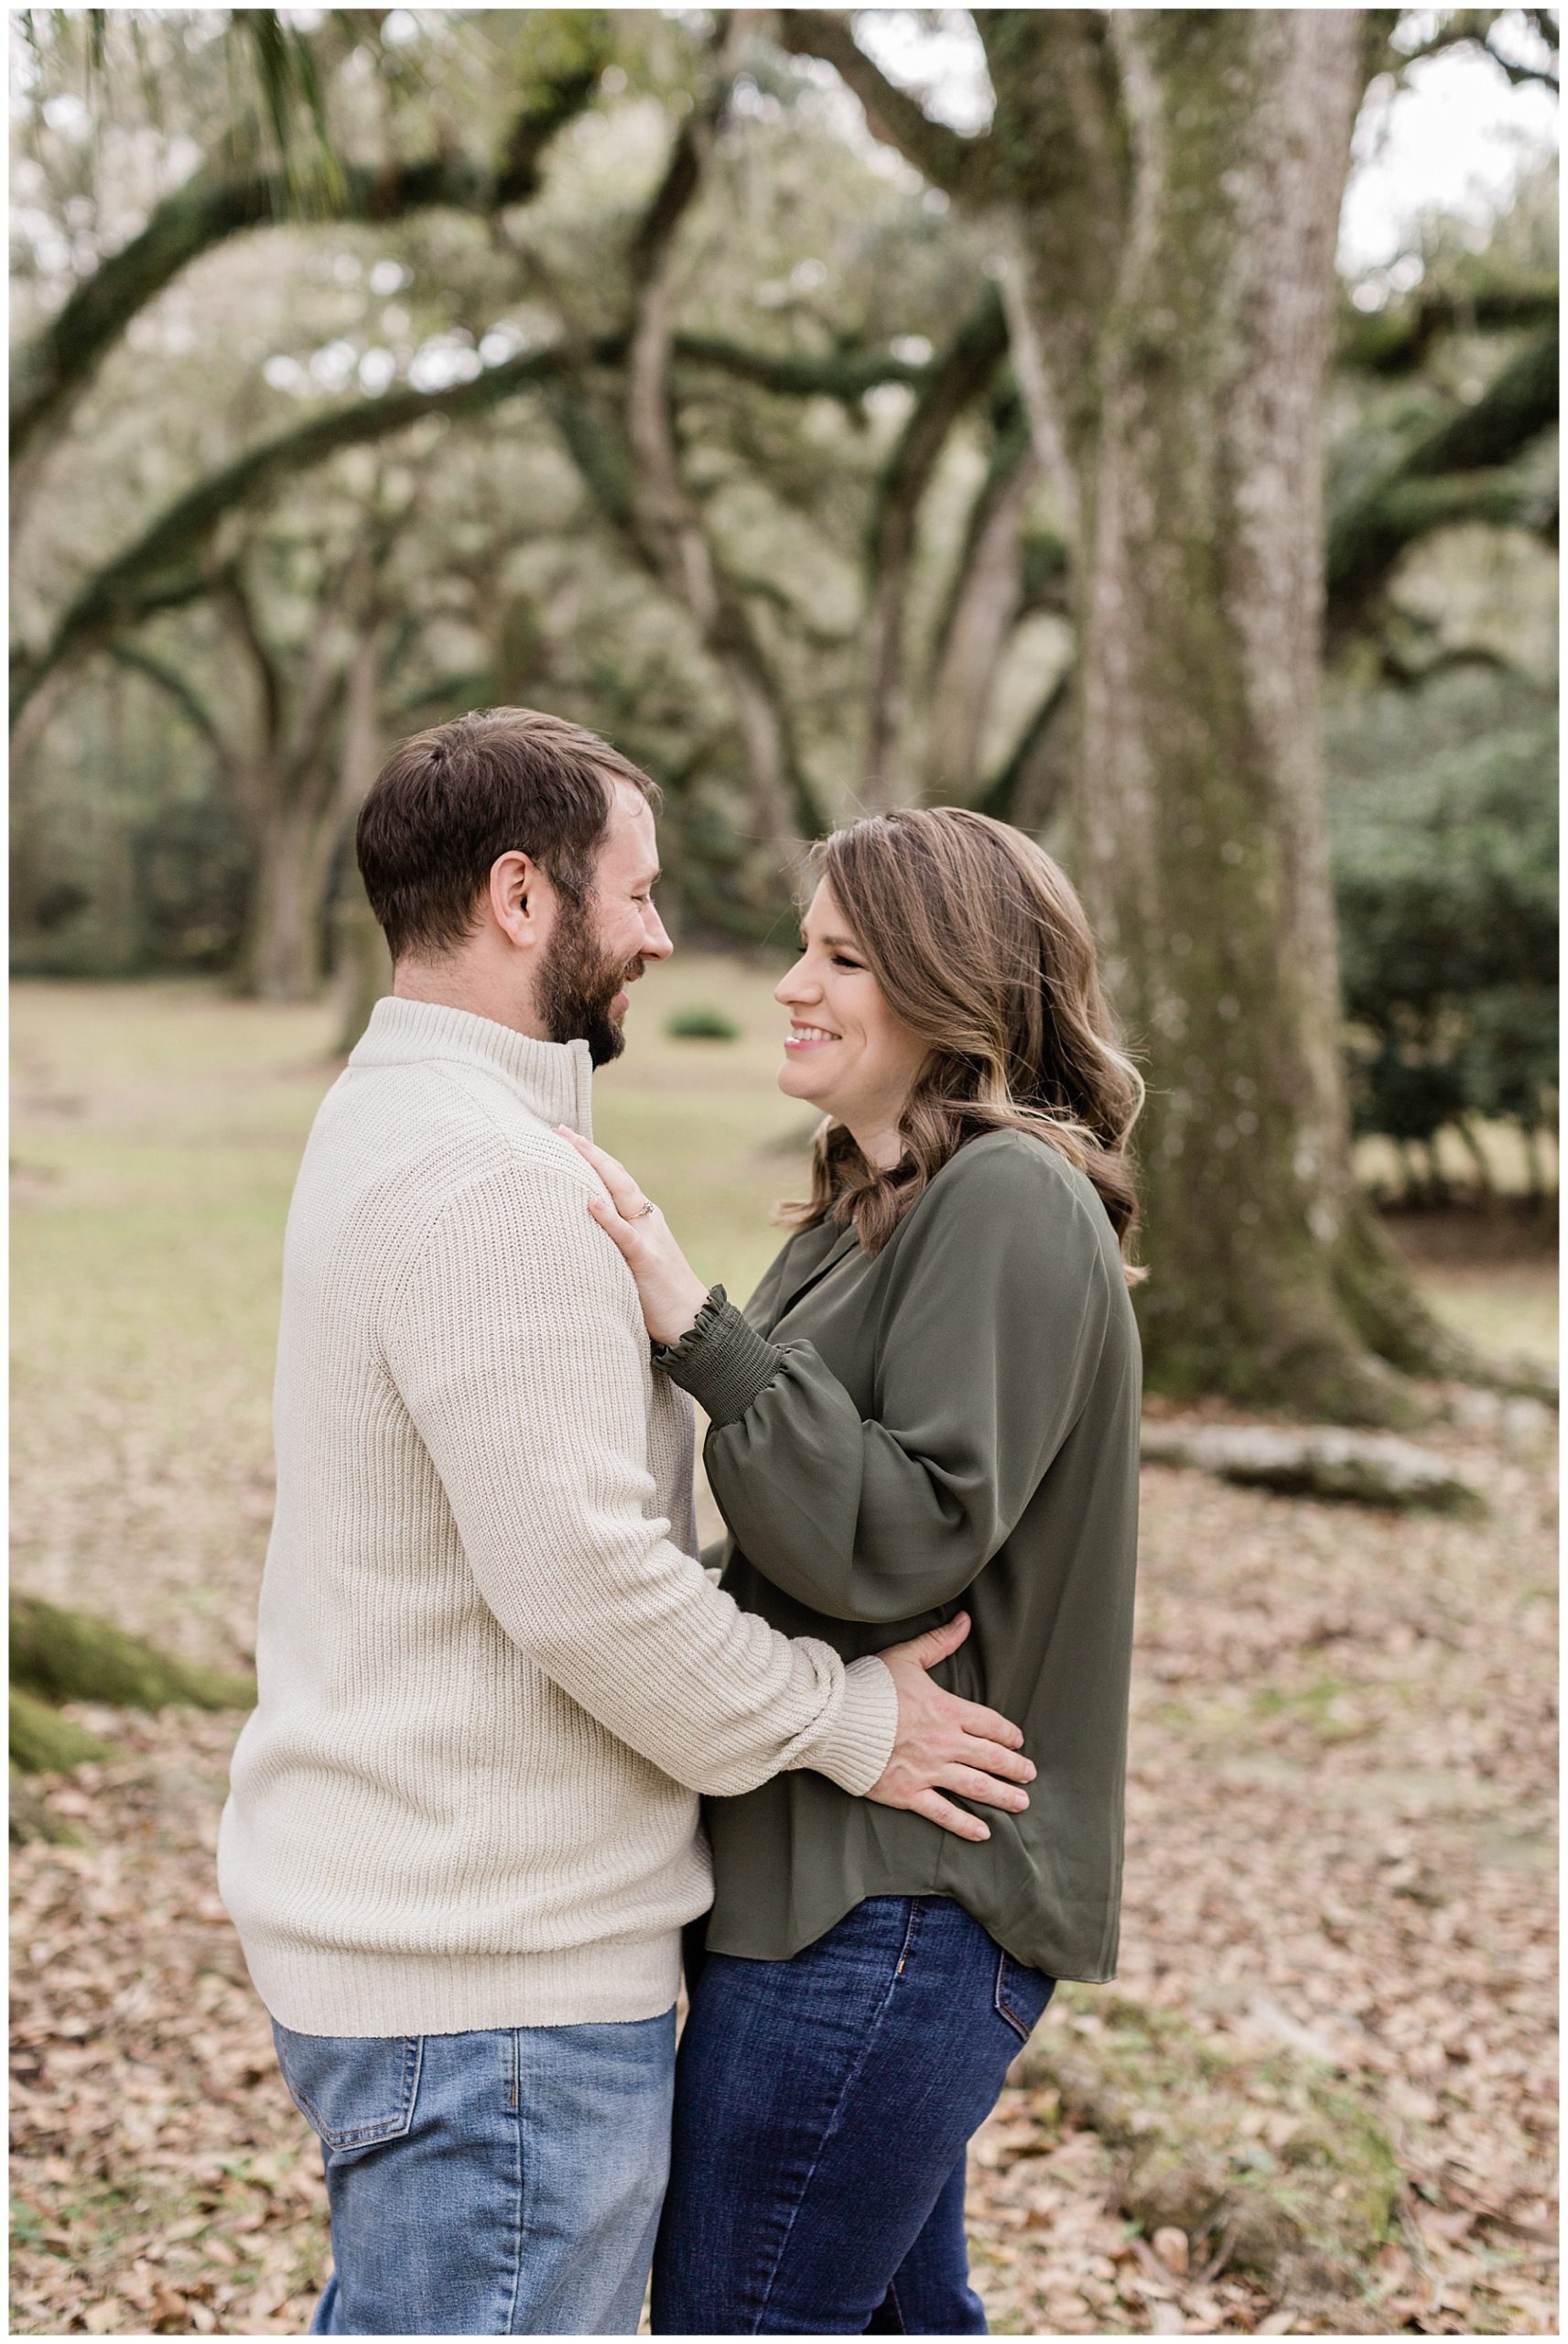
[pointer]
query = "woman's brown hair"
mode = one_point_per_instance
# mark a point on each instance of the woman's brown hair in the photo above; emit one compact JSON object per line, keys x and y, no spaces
{"x":978,"y":943}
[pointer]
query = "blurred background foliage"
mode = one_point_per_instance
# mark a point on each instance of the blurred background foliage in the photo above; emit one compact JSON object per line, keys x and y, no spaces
{"x":210,"y":662}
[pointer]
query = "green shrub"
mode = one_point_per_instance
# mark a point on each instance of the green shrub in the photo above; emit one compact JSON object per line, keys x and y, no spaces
{"x":1445,"y":882}
{"x":700,"y":1025}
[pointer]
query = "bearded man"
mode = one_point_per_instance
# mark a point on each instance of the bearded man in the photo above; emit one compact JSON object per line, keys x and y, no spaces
{"x":463,"y":1837}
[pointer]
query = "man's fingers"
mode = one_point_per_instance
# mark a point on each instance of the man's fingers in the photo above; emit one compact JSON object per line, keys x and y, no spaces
{"x":986,"y":1789}
{"x":937,"y":1809}
{"x":992,"y":1759}
{"x":987,"y":1725}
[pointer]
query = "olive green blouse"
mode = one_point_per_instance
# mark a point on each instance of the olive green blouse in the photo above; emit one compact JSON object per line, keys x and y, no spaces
{"x":949,"y":1424}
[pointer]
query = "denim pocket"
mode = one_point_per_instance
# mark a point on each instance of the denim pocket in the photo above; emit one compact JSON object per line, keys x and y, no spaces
{"x":1021,"y":1994}
{"x":353,"y":2091}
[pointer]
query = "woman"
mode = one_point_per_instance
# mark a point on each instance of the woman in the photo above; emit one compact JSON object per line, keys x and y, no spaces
{"x":932,"y":1394}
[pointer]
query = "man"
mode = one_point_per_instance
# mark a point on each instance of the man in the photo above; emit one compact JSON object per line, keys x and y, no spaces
{"x":463,"y":1837}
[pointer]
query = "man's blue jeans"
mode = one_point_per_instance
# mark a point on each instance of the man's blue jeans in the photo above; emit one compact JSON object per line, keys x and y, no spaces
{"x":822,"y":2109}
{"x":504,"y":2183}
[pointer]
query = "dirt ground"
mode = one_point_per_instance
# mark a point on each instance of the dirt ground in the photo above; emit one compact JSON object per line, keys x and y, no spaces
{"x":1340,"y":1852}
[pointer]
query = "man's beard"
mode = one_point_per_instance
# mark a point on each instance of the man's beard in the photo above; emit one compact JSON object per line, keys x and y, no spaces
{"x":578,"y":984}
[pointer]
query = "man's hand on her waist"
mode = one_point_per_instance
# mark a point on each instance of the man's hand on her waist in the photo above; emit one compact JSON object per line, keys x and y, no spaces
{"x":944,"y":1743}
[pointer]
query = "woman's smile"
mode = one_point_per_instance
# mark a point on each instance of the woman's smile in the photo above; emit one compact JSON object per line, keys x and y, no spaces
{"x":836,"y":1011}
{"x":800,"y":1038}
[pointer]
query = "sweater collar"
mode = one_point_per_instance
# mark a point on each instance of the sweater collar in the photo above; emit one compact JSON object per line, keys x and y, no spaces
{"x":554,"y":1080}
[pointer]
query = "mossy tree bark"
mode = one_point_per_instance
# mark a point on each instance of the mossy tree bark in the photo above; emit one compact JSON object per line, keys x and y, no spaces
{"x":1198,"y":827}
{"x":65,"y":1656}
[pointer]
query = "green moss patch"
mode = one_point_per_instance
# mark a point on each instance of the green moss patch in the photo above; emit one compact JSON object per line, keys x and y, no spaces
{"x":1272,"y":2165}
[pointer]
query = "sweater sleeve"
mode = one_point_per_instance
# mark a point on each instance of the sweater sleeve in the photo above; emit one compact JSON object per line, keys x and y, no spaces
{"x":517,"y":1345}
{"x":994,"y":1329}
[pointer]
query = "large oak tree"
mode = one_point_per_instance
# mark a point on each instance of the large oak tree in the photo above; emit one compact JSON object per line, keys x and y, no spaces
{"x":1162,"y":189}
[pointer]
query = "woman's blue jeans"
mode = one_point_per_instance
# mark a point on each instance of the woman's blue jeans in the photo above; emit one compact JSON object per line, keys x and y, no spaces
{"x":823,"y":2106}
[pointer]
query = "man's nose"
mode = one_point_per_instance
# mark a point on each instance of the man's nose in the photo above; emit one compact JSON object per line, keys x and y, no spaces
{"x":656,"y":941}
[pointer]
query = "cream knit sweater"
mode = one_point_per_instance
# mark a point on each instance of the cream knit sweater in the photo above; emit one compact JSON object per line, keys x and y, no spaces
{"x":492,"y":1675}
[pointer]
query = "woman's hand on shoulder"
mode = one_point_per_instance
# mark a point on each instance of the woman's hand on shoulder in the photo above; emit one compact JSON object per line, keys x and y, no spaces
{"x":669,"y":1288}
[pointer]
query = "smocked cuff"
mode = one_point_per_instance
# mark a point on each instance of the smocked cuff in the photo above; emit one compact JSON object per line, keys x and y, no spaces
{"x":855,"y":1751}
{"x":720,"y":1361}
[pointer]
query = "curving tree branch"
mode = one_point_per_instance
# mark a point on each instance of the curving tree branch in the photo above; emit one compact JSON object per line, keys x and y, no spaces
{"x":1476,"y":29}
{"x":953,"y":382}
{"x":1456,"y":473}
{"x":663,"y":519}
{"x":1395,"y":341}
{"x":53,"y":369}
{"x":947,"y":158}
{"x":164,"y":567}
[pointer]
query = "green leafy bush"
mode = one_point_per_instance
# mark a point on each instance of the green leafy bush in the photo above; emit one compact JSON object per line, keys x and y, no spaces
{"x":1446,"y":880}
{"x":702,"y":1025}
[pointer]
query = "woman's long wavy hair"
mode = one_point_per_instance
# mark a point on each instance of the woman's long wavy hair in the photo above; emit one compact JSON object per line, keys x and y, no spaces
{"x":979,"y":944}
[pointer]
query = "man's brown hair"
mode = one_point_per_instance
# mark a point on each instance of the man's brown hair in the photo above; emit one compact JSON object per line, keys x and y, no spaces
{"x":448,"y":802}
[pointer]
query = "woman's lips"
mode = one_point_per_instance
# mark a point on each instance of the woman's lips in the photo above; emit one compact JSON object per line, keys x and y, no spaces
{"x":798,"y":1044}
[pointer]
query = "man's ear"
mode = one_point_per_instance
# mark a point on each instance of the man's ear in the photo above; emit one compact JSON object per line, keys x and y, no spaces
{"x":516,"y":897}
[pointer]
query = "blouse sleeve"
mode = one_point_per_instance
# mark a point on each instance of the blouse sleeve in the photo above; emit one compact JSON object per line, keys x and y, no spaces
{"x":996,"y":1319}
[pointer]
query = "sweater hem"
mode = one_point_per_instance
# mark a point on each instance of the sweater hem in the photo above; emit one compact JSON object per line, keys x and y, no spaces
{"x":312,"y":1991}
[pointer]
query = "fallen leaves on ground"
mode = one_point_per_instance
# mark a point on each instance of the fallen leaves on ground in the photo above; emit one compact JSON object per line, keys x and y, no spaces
{"x":1340,"y":1845}
{"x":162,"y":2182}
{"x":1338,"y":1857}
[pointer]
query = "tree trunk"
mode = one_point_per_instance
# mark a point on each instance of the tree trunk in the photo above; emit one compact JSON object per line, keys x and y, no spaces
{"x":292,"y":844}
{"x":984,"y":608}
{"x":1197,"y":819}
{"x":362,"y":963}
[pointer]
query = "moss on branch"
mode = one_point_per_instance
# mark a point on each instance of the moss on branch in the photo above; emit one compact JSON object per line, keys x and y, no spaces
{"x":64,"y":1656}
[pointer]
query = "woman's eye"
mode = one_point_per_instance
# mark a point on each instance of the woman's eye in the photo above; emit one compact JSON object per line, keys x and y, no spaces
{"x":842,"y":960}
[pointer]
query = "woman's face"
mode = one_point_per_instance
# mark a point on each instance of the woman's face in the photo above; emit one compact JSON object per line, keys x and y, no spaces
{"x":846,"y":1051}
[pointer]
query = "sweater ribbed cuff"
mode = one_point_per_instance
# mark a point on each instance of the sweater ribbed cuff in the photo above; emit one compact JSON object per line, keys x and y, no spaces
{"x":856,"y":1749}
{"x":720,"y":1361}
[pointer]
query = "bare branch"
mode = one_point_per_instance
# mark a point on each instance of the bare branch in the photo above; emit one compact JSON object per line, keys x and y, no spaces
{"x":1395,"y":341}
{"x":180,"y":691}
{"x":984,"y":597}
{"x":233,"y":600}
{"x":1476,"y":29}
{"x":954,"y":381}
{"x":947,"y":158}
{"x":661,"y":516}
{"x":1456,"y":473}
